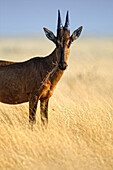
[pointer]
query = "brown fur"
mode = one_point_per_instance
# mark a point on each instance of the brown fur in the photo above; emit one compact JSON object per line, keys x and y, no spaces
{"x":5,"y":63}
{"x":31,"y":81}
{"x":36,"y":78}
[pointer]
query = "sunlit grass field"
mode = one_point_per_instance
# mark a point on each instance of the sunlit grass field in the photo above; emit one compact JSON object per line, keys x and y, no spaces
{"x":80,"y":130}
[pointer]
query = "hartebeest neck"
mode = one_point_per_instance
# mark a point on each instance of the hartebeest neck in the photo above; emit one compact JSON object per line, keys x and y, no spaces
{"x":53,"y":72}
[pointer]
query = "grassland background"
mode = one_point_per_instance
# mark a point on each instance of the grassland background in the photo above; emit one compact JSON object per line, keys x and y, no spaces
{"x":80,"y":131}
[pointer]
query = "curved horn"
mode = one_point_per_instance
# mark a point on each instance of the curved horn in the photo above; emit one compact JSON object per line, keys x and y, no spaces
{"x":59,"y":26}
{"x":67,"y":22}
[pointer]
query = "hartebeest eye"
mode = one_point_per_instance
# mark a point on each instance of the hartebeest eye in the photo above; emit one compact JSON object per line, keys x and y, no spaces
{"x":69,"y":44}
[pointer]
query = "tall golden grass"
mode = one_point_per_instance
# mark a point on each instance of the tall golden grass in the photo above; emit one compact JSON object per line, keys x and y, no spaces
{"x":80,"y":130}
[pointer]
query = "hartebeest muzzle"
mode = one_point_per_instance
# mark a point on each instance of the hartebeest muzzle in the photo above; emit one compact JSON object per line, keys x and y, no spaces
{"x":62,"y":64}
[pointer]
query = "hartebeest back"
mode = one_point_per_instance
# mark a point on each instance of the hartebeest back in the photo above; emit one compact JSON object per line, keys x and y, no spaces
{"x":37,"y":78}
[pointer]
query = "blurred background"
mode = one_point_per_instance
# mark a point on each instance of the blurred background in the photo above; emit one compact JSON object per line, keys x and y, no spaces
{"x":28,"y":17}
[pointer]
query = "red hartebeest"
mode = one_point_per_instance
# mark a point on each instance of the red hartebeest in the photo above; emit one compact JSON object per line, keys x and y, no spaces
{"x":37,"y":78}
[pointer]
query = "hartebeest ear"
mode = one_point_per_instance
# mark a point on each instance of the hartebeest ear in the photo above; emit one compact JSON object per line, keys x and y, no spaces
{"x":76,"y":34}
{"x":50,"y":35}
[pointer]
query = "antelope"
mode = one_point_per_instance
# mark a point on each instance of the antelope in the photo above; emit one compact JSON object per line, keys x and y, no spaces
{"x":36,"y":79}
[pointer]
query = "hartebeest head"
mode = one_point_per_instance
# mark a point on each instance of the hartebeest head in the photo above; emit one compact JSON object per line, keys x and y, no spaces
{"x":63,"y":39}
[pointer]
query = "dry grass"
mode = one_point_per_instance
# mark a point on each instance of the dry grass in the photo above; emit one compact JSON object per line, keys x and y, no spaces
{"x":80,"y":130}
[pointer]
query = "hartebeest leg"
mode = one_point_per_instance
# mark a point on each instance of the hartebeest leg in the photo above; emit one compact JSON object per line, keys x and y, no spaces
{"x":44,"y":111}
{"x":32,"y":109}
